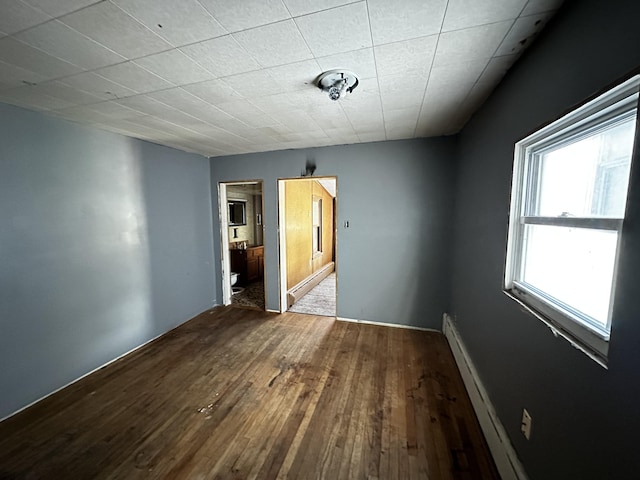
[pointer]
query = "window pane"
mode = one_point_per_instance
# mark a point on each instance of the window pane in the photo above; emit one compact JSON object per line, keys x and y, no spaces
{"x":317,"y":212}
{"x":587,"y":178}
{"x":573,"y":265}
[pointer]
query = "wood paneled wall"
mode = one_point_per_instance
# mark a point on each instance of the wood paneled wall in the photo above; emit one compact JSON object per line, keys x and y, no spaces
{"x":327,"y":226}
{"x":299,"y":229}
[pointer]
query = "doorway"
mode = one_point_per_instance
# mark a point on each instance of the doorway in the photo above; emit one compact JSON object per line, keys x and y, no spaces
{"x":307,"y":231}
{"x":242,"y":243}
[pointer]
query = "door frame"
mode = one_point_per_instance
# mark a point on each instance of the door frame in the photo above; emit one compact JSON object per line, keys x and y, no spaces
{"x":225,"y":256}
{"x":282,"y":237}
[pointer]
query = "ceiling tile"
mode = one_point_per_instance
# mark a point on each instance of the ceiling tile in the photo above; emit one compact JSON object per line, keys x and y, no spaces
{"x":214,"y":91}
{"x":296,"y":121}
{"x":470,"y":13}
{"x":115,"y":29}
{"x":295,"y":76}
{"x":175,"y":97}
{"x":437,"y":121}
{"x":251,"y":84}
{"x":145,"y":104}
{"x":60,"y":7}
{"x":395,"y":20}
{"x":13,"y":76}
{"x":478,"y":95}
{"x":372,"y":137}
{"x":82,"y":114}
{"x":275,"y":44}
{"x":263,"y":120}
{"x":29,"y":58}
{"x":325,"y":31}
{"x":447,"y":76}
{"x":190,"y":104}
{"x":175,"y":66}
{"x":497,"y":68}
{"x":164,"y":126}
{"x":402,"y":84}
{"x":367,"y":95}
{"x":446,"y":99}
{"x":64,"y":92}
{"x":250,"y":87}
{"x":145,"y":131}
{"x":340,"y":136}
{"x":57,"y":39}
{"x":522,"y":33}
{"x":402,"y":116}
{"x":414,"y":55}
{"x":402,"y":100}
{"x":17,"y":16}
{"x":236,"y":16}
{"x":540,"y":6}
{"x":221,"y":56}
{"x":29,"y":98}
{"x":337,"y":119}
{"x":180,"y":118}
{"x":98,"y":86}
{"x":445,"y":103}
{"x":471,"y":44}
{"x":360,"y":62}
{"x":178,"y":22}
{"x":366,"y":128}
{"x":239,"y":108}
{"x":114,"y":110}
{"x":133,"y":77}
{"x":304,"y":7}
{"x":365,"y":119}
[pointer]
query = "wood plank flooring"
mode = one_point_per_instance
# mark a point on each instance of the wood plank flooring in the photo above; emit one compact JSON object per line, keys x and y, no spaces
{"x":240,"y":394}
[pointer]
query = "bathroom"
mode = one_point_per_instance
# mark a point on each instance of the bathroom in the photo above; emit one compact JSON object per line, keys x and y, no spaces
{"x":246,"y":244}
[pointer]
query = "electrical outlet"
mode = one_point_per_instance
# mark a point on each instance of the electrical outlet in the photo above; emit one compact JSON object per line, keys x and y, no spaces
{"x":525,"y":426}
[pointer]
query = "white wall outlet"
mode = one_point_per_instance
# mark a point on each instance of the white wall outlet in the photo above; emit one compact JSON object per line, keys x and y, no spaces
{"x":525,"y":426}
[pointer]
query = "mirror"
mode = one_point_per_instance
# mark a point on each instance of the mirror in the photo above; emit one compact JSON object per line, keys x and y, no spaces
{"x":237,"y":213}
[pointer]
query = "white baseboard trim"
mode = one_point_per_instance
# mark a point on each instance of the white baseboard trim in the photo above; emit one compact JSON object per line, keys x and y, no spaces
{"x":383,"y":324}
{"x":272,"y":311}
{"x":502,"y":450}
{"x":208,"y":309}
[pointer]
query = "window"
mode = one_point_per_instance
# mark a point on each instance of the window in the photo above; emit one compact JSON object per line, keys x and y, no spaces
{"x":317,"y":225}
{"x":568,"y":202}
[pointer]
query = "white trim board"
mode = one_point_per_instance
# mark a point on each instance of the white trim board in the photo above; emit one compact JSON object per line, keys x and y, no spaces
{"x":502,"y":450}
{"x":210,"y":310}
{"x":383,"y":324}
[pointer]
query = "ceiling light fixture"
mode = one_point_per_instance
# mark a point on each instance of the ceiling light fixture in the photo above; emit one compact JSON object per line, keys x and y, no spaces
{"x":337,"y":83}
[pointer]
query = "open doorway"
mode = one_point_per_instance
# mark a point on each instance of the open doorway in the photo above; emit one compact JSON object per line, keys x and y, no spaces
{"x":242,"y":245}
{"x":306,"y":214}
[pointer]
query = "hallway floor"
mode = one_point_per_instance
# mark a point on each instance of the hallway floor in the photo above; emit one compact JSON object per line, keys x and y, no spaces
{"x":321,"y":300}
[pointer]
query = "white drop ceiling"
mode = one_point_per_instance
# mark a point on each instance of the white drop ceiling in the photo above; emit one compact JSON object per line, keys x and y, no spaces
{"x":221,"y":77}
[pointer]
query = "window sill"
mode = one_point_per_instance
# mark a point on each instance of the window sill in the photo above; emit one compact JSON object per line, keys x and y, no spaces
{"x":592,"y":346}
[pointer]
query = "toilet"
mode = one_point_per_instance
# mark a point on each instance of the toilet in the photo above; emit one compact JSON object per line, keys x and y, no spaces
{"x":234,"y":280}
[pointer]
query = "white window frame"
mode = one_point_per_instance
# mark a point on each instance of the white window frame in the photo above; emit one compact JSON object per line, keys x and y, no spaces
{"x":316,"y":202}
{"x":610,"y":107}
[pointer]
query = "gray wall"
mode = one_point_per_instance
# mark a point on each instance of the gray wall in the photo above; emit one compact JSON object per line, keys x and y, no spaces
{"x":585,"y":418}
{"x":105,"y":243}
{"x":393,"y":261}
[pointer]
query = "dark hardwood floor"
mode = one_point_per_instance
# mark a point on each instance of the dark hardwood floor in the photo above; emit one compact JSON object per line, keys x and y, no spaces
{"x":239,"y":394}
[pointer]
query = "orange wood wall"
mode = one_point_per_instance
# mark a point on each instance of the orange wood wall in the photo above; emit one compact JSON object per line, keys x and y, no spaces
{"x":327,"y":226}
{"x":299,"y":229}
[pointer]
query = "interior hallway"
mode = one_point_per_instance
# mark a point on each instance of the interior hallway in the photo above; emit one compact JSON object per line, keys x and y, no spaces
{"x":321,"y":299}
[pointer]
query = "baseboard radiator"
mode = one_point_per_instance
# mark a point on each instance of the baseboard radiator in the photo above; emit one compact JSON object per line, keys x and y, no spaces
{"x":502,"y":450}
{"x":305,"y":286}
